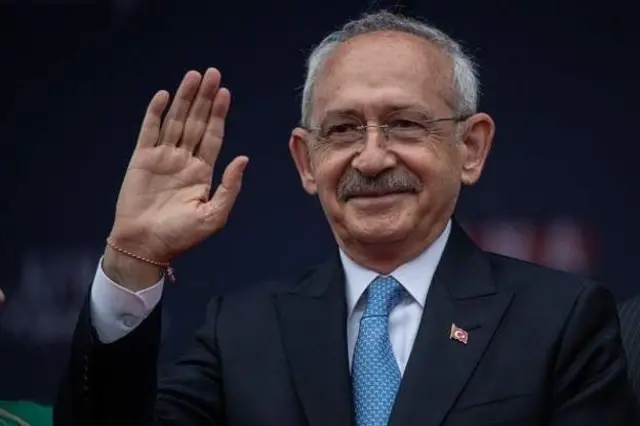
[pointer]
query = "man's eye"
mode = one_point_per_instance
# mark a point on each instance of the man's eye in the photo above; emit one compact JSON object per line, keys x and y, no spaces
{"x":407,"y":124}
{"x":342,"y":128}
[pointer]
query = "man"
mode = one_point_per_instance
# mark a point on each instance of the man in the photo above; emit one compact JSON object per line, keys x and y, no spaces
{"x":408,"y":323}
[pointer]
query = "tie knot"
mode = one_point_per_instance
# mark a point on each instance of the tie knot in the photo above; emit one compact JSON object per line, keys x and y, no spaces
{"x":383,"y":294}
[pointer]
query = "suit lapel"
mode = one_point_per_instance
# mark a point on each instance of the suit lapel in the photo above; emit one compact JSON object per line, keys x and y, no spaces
{"x":462,"y":293}
{"x":313,"y":323}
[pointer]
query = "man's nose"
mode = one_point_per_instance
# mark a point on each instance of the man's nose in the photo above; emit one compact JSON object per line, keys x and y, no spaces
{"x":374,"y":158}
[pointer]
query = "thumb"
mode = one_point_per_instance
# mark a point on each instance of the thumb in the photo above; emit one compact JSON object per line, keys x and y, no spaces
{"x":218,"y":208}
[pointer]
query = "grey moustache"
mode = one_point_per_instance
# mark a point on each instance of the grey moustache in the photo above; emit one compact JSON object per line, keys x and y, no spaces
{"x":355,"y":184}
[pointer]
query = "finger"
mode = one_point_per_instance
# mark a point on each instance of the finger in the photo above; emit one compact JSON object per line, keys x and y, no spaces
{"x":211,"y":142}
{"x":171,"y":130}
{"x":218,"y":208}
{"x":150,"y":129}
{"x":1,"y":297}
{"x":199,"y":114}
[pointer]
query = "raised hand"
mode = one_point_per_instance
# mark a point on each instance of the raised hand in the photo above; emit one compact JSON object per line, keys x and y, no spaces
{"x":164,"y":207}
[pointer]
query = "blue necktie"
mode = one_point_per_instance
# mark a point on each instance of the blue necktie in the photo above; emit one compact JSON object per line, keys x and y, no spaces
{"x":375,"y":372}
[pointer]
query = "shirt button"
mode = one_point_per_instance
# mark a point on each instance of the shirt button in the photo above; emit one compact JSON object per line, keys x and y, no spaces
{"x":129,"y":320}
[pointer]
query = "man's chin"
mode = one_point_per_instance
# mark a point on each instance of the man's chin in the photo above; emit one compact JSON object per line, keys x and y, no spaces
{"x":377,"y":230}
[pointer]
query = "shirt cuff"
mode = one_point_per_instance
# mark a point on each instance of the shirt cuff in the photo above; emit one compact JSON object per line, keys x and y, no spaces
{"x":115,"y":310}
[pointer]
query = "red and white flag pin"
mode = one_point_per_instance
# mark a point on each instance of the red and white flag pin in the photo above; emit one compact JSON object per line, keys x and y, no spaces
{"x":458,"y":334}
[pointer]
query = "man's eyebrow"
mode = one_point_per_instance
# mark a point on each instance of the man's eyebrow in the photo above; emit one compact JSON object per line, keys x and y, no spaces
{"x":422,"y":109}
{"x":384,"y":111}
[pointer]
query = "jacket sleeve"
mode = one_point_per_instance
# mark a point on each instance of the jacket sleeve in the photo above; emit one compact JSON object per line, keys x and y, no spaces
{"x":106,"y":384}
{"x":590,"y":383}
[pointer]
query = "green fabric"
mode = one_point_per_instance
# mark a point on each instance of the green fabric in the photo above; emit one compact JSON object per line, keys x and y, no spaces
{"x":18,"y":413}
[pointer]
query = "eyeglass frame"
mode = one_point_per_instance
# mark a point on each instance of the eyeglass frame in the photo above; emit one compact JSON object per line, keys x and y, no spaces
{"x":385,"y":128}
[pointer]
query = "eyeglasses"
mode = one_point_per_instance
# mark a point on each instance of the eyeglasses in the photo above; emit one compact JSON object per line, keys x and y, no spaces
{"x":404,"y":127}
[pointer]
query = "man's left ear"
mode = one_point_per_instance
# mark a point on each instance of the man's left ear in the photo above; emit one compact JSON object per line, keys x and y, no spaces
{"x":299,"y":149}
{"x":475,"y":143}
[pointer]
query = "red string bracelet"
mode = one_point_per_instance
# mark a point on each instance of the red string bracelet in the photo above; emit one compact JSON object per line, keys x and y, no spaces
{"x":165,"y":265}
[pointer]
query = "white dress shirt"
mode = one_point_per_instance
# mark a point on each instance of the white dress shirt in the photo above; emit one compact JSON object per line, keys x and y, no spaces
{"x":404,"y":319}
{"x":116,"y":311}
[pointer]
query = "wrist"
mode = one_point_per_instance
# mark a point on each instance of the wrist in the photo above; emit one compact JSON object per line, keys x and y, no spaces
{"x":139,"y":244}
{"x":130,"y":272}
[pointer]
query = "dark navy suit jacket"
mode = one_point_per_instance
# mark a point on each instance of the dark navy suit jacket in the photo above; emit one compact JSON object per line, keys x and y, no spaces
{"x":543,"y":348}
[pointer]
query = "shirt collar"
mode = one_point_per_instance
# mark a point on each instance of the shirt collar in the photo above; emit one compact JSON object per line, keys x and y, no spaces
{"x":415,"y":275}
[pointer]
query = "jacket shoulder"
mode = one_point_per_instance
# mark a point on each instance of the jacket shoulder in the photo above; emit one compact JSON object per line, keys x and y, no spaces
{"x":519,"y":275}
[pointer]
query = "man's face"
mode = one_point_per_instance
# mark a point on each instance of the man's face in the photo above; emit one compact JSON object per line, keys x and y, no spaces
{"x":380,"y":191}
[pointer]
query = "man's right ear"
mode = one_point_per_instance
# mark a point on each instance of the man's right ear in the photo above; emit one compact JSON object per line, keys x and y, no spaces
{"x":299,"y":149}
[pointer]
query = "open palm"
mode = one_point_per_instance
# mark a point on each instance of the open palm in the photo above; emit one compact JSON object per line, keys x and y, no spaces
{"x":164,"y":207}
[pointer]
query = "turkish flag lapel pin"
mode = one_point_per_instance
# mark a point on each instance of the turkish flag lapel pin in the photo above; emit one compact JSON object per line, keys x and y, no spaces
{"x":458,"y":334}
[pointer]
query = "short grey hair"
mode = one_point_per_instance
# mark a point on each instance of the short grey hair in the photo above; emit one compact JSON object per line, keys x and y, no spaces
{"x":465,"y":90}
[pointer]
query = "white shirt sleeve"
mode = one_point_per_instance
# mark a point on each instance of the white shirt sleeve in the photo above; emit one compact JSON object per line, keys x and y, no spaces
{"x":115,"y":310}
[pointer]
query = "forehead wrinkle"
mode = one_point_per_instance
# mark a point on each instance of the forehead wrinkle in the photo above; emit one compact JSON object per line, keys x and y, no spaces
{"x":379,"y":109}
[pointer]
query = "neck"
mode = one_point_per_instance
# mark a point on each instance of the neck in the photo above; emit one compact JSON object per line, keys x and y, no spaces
{"x":386,"y":257}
